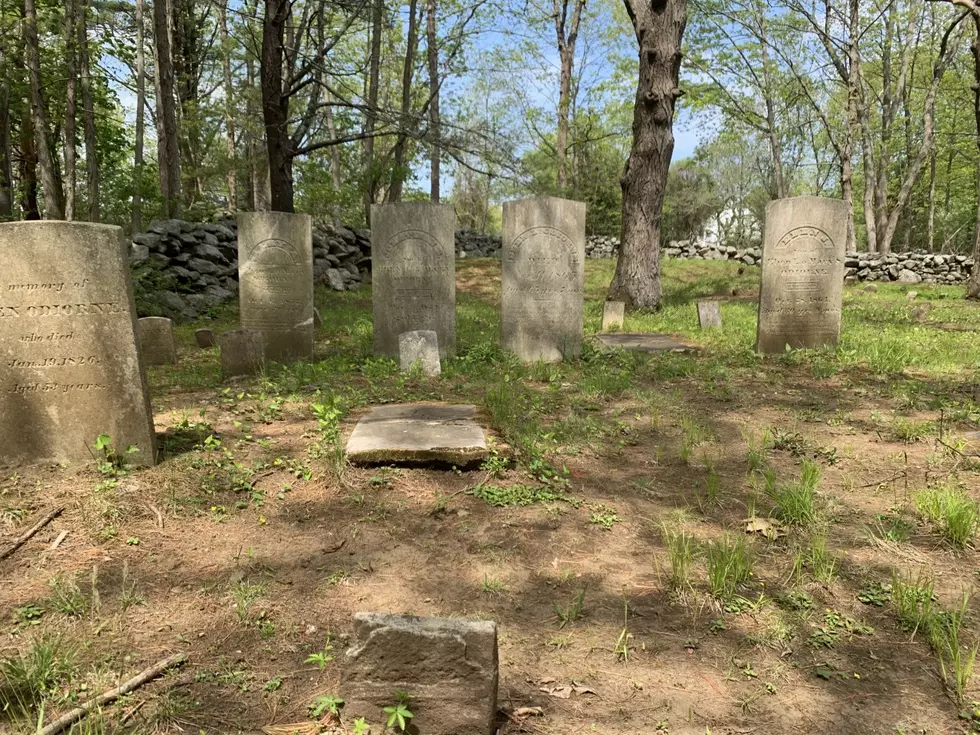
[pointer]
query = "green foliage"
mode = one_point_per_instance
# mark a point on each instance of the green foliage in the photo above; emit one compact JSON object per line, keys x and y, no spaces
{"x":954,"y":514}
{"x":729,"y":565}
{"x":796,"y":501}
{"x":680,"y":550}
{"x":35,"y":675}
{"x":323,"y":704}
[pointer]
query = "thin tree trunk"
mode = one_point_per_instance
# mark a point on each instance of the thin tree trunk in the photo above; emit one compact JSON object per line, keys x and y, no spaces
{"x":28,"y":168}
{"x":229,"y":110}
{"x":53,"y":195}
{"x":275,"y":106}
{"x":432,"y":57}
{"x":6,"y":172}
{"x":136,"y":220}
{"x":931,"y":218}
{"x":659,"y":27}
{"x":566,"y":30}
{"x":169,"y":153}
{"x":336,"y":170}
{"x":973,"y":285}
{"x":401,"y":143}
{"x":374,"y":66}
{"x":71,"y":109}
{"x":772,"y":133}
{"x":88,"y":115}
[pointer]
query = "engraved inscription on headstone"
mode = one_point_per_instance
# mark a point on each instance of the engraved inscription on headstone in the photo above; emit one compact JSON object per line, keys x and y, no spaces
{"x":613,"y":313}
{"x":275,"y":272}
{"x":541,"y":314}
{"x":413,"y":274}
{"x":70,"y":367}
{"x":156,"y":335}
{"x":802,"y":274}
{"x":709,"y":314}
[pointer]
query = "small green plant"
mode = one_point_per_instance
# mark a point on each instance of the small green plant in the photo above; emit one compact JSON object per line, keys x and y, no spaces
{"x":712,"y":489}
{"x":603,"y":516}
{"x":273,"y":685}
{"x":398,"y":716}
{"x":245,"y":594}
{"x":796,"y":501}
{"x":492,"y":586}
{"x":821,"y":563}
{"x":35,"y":675}
{"x":495,"y":465}
{"x":954,"y":514}
{"x":956,"y":661}
{"x":729,"y":565}
{"x":29,"y":614}
{"x":516,"y":495}
{"x":692,"y":436}
{"x":912,"y":598}
{"x":321,"y":658}
{"x":909,"y":431}
{"x":889,"y":527}
{"x":876,"y":593}
{"x":111,"y":462}
{"x":361,"y":726}
{"x":572,"y":611}
{"x":323,"y":704}
{"x":680,"y":550}
{"x":67,"y":597}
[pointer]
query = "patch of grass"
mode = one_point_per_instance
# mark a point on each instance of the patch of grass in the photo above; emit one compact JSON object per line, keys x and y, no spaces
{"x":890,"y":527}
{"x":680,"y":550}
{"x":492,"y":586}
{"x":35,"y":675}
{"x":912,"y":598}
{"x":956,"y":660}
{"x":603,"y":516}
{"x":245,"y":594}
{"x":729,"y":565}
{"x":954,"y":514}
{"x":67,"y":597}
{"x":908,"y":431}
{"x":571,"y":612}
{"x":818,"y":560}
{"x":517,"y":495}
{"x":796,"y":501}
{"x":693,"y":435}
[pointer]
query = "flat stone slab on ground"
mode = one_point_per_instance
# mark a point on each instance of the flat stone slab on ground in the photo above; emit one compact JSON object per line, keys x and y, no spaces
{"x":416,"y":433}
{"x":640,"y":342}
{"x":449,"y":668}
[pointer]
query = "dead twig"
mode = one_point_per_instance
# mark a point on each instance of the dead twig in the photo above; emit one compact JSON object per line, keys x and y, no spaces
{"x":31,"y":531}
{"x":67,"y":719}
{"x":57,"y":541}
{"x":158,"y":514}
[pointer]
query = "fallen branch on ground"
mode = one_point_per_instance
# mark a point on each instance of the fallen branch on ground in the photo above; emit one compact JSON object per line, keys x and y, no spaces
{"x":67,"y":719}
{"x":31,"y":531}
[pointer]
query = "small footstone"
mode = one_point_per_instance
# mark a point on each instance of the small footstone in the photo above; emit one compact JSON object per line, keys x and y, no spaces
{"x":644,"y":342}
{"x":911,"y":295}
{"x":613,"y":313}
{"x":709,"y":314}
{"x":419,"y":347}
{"x":414,"y":433}
{"x":205,"y":338}
{"x":448,"y":667}
{"x":871,"y":288}
{"x":242,"y":352}
{"x":156,"y":335}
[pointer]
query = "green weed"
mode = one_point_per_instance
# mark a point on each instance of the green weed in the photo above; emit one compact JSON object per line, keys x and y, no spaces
{"x":572,"y":611}
{"x":954,"y":514}
{"x":680,"y":551}
{"x":912,"y":598}
{"x":729,"y":565}
{"x":796,"y":501}
{"x":956,"y":660}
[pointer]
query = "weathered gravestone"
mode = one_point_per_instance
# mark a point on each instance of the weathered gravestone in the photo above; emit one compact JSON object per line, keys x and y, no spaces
{"x":644,"y":342}
{"x":709,"y":314}
{"x":275,"y":274}
{"x":543,"y":256}
{"x":156,"y":335}
{"x":449,"y":668}
{"x":242,"y":352}
{"x":205,"y":338}
{"x":613,"y":313}
{"x":70,"y":367}
{"x":413,"y":271}
{"x":421,"y":348}
{"x":802,"y":274}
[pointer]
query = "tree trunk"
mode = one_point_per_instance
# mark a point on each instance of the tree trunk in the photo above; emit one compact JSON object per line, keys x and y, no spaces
{"x":88,"y":115}
{"x":168,"y":151}
{"x":659,"y":27}
{"x":432,"y":57}
{"x":229,"y":110}
{"x":71,"y":109}
{"x":772,"y":132}
{"x":6,"y":172}
{"x":401,"y":143}
{"x":53,"y":195}
{"x":973,"y":285}
{"x":275,"y":106}
{"x":371,"y":113}
{"x":931,"y":217}
{"x":567,"y":31}
{"x":258,"y":157}
{"x":28,"y":169}
{"x":336,"y":170}
{"x":136,"y":220}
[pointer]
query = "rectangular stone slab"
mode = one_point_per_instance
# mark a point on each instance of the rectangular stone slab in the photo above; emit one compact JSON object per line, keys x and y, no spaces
{"x":413,"y":274}
{"x":613,"y":313}
{"x":417,"y":433}
{"x":156,"y":334}
{"x":709,"y":314}
{"x":644,"y":342}
{"x":70,"y":367}
{"x":448,"y":668}
{"x":802,"y":274}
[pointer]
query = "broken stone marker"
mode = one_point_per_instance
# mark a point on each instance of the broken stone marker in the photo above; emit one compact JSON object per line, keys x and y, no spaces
{"x":156,"y":335}
{"x":640,"y":342}
{"x":613,"y":313}
{"x":205,"y":338}
{"x":709,"y":314}
{"x":419,"y":347}
{"x":242,"y":352}
{"x":414,"y":433}
{"x":447,"y":668}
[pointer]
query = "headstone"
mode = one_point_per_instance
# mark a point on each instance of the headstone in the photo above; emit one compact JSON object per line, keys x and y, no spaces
{"x":205,"y":338}
{"x":156,"y":335}
{"x":416,"y":433}
{"x":447,"y":667}
{"x":70,"y":367}
{"x":242,"y":352}
{"x":413,"y":272}
{"x":420,"y":347}
{"x":613,"y":313}
{"x":709,"y":314}
{"x":643,"y":342}
{"x":275,"y":281}
{"x":541,"y":313}
{"x":802,"y":274}
{"x":871,"y":288}
{"x":911,"y":295}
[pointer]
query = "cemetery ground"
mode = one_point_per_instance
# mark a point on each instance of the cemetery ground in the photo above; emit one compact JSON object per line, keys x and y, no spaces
{"x":682,"y":543}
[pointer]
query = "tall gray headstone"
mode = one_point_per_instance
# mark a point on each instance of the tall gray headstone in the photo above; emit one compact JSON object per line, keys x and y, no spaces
{"x":156,"y":335}
{"x":802,"y":274}
{"x":275,"y":281}
{"x":70,"y":367}
{"x":541,"y":314}
{"x":413,"y":274}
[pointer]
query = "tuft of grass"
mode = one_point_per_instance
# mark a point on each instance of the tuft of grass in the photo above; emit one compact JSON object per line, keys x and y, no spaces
{"x":956,"y":660}
{"x":821,"y":563}
{"x":492,"y":586}
{"x":680,"y":551}
{"x":36,"y":675}
{"x":245,"y":594}
{"x":692,"y":436}
{"x":572,"y":611}
{"x":729,"y":565}
{"x":912,"y":598}
{"x":954,"y":514}
{"x":796,"y":501}
{"x":67,"y":597}
{"x":908,"y":431}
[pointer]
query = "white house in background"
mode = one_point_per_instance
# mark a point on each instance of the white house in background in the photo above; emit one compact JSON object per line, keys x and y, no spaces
{"x":732,"y":227}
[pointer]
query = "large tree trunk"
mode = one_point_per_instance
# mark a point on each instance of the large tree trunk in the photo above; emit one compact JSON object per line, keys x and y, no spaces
{"x":168,"y":150}
{"x":401,"y":143}
{"x":659,"y":27}
{"x":53,"y":195}
{"x":567,"y":31}
{"x":71,"y":109}
{"x":28,"y":168}
{"x":136,"y":219}
{"x":275,"y":106}
{"x":432,"y":57}
{"x":6,"y":172}
{"x":374,"y":65}
{"x":88,"y":115}
{"x":973,"y":285}
{"x":232,"y":177}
